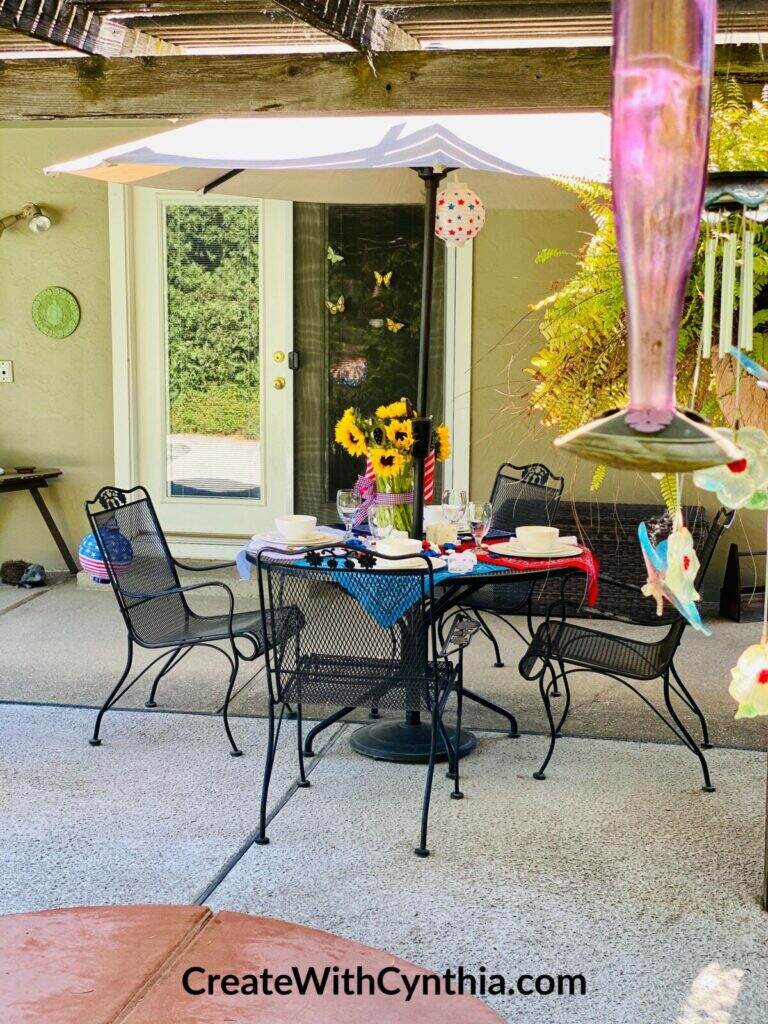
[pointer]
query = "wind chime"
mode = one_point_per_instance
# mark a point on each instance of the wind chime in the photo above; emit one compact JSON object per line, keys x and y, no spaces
{"x":736,"y":204}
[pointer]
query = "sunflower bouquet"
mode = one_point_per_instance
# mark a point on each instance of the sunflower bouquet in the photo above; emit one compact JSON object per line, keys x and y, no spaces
{"x":386,"y":439}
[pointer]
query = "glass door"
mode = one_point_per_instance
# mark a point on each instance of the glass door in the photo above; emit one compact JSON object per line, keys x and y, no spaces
{"x":213,"y":314}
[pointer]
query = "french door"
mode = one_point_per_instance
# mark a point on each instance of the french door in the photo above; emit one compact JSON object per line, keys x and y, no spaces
{"x":208,"y":303}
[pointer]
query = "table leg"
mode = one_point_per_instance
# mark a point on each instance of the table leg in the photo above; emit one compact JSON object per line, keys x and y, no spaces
{"x":53,"y":530}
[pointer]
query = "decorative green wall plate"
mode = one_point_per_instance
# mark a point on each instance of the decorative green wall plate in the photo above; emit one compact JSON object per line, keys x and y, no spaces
{"x":56,"y":312}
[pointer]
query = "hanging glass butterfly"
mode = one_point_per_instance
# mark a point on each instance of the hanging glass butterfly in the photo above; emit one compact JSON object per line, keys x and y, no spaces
{"x":741,"y":484}
{"x":334,"y":257}
{"x":672,"y":566}
{"x":749,"y":682}
{"x":335,"y":307}
{"x":394,"y":326}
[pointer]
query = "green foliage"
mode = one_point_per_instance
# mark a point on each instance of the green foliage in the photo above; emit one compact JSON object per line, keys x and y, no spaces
{"x":225,"y":409}
{"x":213,"y":318}
{"x":668,"y":488}
{"x":581,"y":370}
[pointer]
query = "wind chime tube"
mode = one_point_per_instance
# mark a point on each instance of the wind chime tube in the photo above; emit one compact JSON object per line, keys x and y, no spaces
{"x":727,"y":294}
{"x":708,"y":319}
{"x":662,"y":74}
{"x":747,"y":297}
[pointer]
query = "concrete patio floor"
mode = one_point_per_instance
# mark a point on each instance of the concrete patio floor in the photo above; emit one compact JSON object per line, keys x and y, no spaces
{"x":617,"y":867}
{"x":66,"y":645}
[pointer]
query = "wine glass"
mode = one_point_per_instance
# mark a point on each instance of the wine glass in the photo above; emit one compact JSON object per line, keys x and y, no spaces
{"x":381,"y":522}
{"x":454,"y":505}
{"x":347,"y":504}
{"x":480,"y":516}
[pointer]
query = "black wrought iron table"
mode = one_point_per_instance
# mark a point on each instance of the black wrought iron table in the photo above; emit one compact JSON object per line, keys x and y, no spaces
{"x":407,"y":740}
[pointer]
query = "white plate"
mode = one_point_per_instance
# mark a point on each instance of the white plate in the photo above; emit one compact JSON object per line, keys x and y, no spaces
{"x":410,"y":563}
{"x":277,"y":539}
{"x":516,"y":549}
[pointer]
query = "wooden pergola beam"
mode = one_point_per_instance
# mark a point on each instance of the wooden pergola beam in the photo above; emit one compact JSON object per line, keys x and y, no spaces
{"x":65,"y":24}
{"x":417,"y":80}
{"x":352,"y":22}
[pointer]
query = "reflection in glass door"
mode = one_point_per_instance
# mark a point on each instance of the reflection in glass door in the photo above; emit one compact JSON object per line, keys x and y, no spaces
{"x":212,"y":331}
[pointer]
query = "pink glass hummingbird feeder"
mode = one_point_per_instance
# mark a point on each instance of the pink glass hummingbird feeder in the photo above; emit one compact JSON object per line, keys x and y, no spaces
{"x":662,"y":72}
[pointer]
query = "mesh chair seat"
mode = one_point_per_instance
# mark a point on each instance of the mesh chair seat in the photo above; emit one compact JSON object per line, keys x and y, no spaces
{"x":361,"y":682}
{"x":603,"y":652}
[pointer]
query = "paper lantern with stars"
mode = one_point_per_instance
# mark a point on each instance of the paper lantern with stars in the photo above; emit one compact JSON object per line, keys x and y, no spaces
{"x":460,"y":214}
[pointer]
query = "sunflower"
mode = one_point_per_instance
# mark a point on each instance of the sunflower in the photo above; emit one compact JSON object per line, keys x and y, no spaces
{"x":349,"y":435}
{"x":400,"y":433}
{"x":442,"y":443}
{"x":387,"y":461}
{"x":394,"y":411}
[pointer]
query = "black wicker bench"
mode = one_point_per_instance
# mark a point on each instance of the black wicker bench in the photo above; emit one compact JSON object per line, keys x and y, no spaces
{"x":610,"y":530}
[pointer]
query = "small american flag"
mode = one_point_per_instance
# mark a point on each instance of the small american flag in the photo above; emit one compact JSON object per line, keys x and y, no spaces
{"x":429,"y":475}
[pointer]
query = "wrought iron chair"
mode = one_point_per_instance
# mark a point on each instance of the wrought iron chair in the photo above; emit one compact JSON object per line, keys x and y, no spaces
{"x":576,"y":648}
{"x":521,"y":496}
{"x":154,"y":605}
{"x":367,"y":639}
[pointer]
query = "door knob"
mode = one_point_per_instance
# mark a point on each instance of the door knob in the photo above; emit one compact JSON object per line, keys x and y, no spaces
{"x":278,"y":383}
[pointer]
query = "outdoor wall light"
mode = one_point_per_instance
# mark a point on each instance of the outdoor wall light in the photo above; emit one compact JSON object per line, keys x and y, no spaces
{"x":36,"y":220}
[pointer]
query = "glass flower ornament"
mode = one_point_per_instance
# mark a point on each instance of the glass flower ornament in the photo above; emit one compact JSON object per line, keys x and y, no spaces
{"x":744,"y":483}
{"x":672,"y":566}
{"x":749,"y":682}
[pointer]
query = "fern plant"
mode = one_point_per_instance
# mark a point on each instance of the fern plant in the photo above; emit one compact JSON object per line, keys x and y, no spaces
{"x":581,"y":369}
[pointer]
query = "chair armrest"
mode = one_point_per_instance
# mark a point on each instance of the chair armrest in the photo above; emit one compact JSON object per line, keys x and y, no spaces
{"x":151,"y":595}
{"x":202,"y":568}
{"x":633,"y":588}
{"x":463,"y":629}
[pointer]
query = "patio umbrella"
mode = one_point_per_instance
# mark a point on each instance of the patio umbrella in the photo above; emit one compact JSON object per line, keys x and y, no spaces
{"x":374,"y":159}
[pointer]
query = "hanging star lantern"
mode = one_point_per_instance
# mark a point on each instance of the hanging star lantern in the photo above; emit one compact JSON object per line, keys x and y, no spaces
{"x":672,"y":566}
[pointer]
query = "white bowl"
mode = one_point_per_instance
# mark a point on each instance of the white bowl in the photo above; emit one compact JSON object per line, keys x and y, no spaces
{"x":537,"y":538}
{"x":296,"y":528}
{"x":399,"y":546}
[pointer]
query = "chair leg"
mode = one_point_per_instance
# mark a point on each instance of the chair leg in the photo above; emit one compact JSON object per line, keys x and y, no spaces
{"x":263,"y":839}
{"x":374,"y":713}
{"x":457,"y":794}
{"x":324,"y":724}
{"x":112,"y":698}
{"x":544,"y":691}
{"x":235,"y":751}
{"x":421,"y":850}
{"x":490,"y":635}
{"x":303,"y":782}
{"x":689,"y":740}
{"x":451,"y":773}
{"x":567,"y":688}
{"x":290,"y":713}
{"x":693,"y":705}
{"x":169,"y":664}
{"x":496,"y":708}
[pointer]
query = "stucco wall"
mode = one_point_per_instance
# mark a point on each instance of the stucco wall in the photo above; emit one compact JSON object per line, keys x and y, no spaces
{"x":58,"y":411}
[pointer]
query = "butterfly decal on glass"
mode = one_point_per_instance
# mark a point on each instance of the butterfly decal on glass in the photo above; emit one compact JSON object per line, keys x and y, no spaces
{"x":335,"y":307}
{"x":334,"y":257}
{"x":394,"y":326}
{"x":382,"y":281}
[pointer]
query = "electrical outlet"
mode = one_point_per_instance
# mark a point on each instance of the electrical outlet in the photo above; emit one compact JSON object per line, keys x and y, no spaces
{"x":6,"y":371}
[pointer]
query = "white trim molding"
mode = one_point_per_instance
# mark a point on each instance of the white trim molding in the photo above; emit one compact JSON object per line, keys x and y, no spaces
{"x":125,"y":441}
{"x":458,"y":362}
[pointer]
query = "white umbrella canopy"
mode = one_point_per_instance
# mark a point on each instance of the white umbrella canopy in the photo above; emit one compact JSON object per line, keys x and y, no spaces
{"x":290,"y":157}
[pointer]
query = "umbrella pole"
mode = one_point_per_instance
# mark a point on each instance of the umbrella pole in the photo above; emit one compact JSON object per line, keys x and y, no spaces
{"x":423,"y":424}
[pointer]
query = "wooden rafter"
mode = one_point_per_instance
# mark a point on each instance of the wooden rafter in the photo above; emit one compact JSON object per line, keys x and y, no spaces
{"x":423,"y":80}
{"x":66,"y":24}
{"x":352,"y":22}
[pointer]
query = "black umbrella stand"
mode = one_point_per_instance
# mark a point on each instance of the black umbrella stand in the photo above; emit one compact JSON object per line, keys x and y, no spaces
{"x":408,"y":740}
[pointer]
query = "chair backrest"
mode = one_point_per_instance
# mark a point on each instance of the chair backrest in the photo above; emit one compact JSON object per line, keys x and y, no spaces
{"x":365,"y":636}
{"x":139,"y":563}
{"x":525,"y":495}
